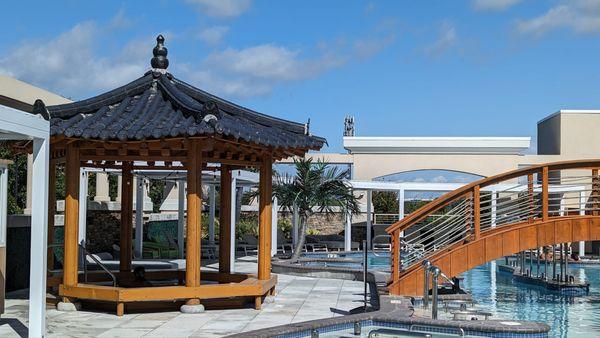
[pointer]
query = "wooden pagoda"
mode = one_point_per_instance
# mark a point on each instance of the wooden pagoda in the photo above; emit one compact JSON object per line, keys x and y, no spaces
{"x":158,"y":122}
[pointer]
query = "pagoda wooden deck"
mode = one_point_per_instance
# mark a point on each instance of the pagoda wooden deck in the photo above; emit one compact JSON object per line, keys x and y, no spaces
{"x":248,"y":286}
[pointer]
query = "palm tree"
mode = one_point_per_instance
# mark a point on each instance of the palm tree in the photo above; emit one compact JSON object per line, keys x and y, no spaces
{"x":316,"y":187}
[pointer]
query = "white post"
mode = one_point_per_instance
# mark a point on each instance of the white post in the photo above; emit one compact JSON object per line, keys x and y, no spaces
{"x":139,"y":217}
{"x":348,"y":233}
{"x":102,"y":190}
{"x":3,"y":204}
{"x":369,"y":218}
{"x":232,"y":245}
{"x":27,"y":210}
{"x":582,"y":203}
{"x":83,"y":198}
{"x":211,"y":214}
{"x":180,"y":216}
{"x":274,"y":232}
{"x":494,"y":208}
{"x":400,"y":204}
{"x":39,"y":238}
{"x":401,"y":211}
{"x":119,"y":184}
{"x":295,"y":221}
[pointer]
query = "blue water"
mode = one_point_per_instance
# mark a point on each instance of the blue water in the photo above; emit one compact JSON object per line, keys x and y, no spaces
{"x":567,"y":315}
{"x":376,"y":261}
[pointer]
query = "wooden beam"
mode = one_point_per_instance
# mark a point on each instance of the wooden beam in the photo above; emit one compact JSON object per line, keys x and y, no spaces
{"x":126,"y":217}
{"x":545,"y":193}
{"x":264,"y":228}
{"x":595,"y":192}
{"x":395,"y":252}
{"x":71,"y":215}
{"x":225,"y":220}
{"x":476,"y":212}
{"x":194,"y":205}
{"x":530,"y":197}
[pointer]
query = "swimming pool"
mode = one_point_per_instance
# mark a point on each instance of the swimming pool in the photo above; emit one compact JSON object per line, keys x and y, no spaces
{"x":568,"y":316}
{"x":379,"y":261}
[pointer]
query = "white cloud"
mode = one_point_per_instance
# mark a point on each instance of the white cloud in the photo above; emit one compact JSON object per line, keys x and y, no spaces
{"x":213,"y":35}
{"x":221,"y":8}
{"x":447,"y":39}
{"x":580,"y":16}
{"x":256,"y":70}
{"x":366,"y":48}
{"x":493,"y":5}
{"x":68,"y":65}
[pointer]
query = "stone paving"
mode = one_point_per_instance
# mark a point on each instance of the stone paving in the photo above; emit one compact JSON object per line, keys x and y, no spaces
{"x":297,"y":299}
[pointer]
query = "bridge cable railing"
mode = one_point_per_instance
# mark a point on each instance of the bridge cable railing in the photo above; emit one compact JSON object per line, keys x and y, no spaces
{"x":535,"y":193}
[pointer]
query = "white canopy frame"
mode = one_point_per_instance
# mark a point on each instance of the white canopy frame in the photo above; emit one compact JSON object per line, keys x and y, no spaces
{"x":19,"y":125}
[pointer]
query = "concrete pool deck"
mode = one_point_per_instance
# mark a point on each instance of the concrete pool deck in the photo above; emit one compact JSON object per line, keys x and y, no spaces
{"x":297,"y":299}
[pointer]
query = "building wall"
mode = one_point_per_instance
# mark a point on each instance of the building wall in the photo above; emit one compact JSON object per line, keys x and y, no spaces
{"x":579,"y":134}
{"x":548,"y":131}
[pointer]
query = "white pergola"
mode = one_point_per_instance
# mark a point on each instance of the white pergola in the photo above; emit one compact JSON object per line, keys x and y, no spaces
{"x":19,"y":125}
{"x":211,"y":179}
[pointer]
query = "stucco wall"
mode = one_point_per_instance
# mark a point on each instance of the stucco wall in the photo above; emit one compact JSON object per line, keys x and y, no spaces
{"x":549,"y":133}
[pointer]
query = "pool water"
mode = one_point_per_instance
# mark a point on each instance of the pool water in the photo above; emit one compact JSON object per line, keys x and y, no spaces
{"x":366,"y":330}
{"x":568,"y":316}
{"x":376,"y":261}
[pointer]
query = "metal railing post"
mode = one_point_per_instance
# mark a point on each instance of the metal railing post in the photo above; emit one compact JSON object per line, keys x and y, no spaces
{"x":365,"y":268}
{"x":426,"y":266}
{"x":435,"y":274}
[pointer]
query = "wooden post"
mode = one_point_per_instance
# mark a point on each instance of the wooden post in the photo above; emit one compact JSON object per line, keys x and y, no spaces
{"x":71,"y":215}
{"x":530,"y":192}
{"x":126,"y":217}
{"x":194,"y":205}
{"x":476,"y":211}
{"x":545,"y":194}
{"x":225,"y":220}
{"x":395,"y":252}
{"x":595,"y":192}
{"x":51,"y":210}
{"x":469,"y":215}
{"x":265,"y":214}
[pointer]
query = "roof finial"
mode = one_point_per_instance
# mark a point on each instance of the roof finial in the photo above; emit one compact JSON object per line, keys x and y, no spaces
{"x":159,"y":61}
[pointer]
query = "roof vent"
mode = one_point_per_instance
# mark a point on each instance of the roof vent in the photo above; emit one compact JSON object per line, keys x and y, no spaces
{"x":159,"y":61}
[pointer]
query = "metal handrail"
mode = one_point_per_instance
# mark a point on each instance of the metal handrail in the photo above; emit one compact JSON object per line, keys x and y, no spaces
{"x":87,"y":253}
{"x":448,"y":197}
{"x":460,"y":330}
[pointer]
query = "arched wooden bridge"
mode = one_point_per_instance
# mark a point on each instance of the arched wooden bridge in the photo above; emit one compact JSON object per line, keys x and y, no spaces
{"x":494,"y":217}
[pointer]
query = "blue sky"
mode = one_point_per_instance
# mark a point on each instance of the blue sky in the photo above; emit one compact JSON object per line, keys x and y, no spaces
{"x":402,"y":68}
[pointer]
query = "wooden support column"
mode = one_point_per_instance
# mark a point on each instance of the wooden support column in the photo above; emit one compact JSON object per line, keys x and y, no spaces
{"x":51,"y":210}
{"x":71,"y":215}
{"x":469,"y":216}
{"x":545,"y":193}
{"x":194,"y":205}
{"x":595,"y":192}
{"x":530,"y":198}
{"x":265,"y":215}
{"x":476,"y":212}
{"x":225,"y":221}
{"x":395,"y":252}
{"x":126,"y":217}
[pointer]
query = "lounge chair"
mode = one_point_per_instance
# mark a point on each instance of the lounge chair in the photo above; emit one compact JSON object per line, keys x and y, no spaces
{"x":382,"y":242}
{"x":249,"y":244}
{"x":283,"y":245}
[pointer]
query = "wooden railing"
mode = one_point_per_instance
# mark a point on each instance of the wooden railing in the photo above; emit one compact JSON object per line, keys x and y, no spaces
{"x":469,"y":211}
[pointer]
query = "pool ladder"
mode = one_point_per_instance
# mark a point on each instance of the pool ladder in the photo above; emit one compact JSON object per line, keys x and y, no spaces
{"x":435,"y":273}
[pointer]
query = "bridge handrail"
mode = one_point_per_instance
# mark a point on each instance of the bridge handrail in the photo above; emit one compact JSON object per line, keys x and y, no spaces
{"x":474,"y":187}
